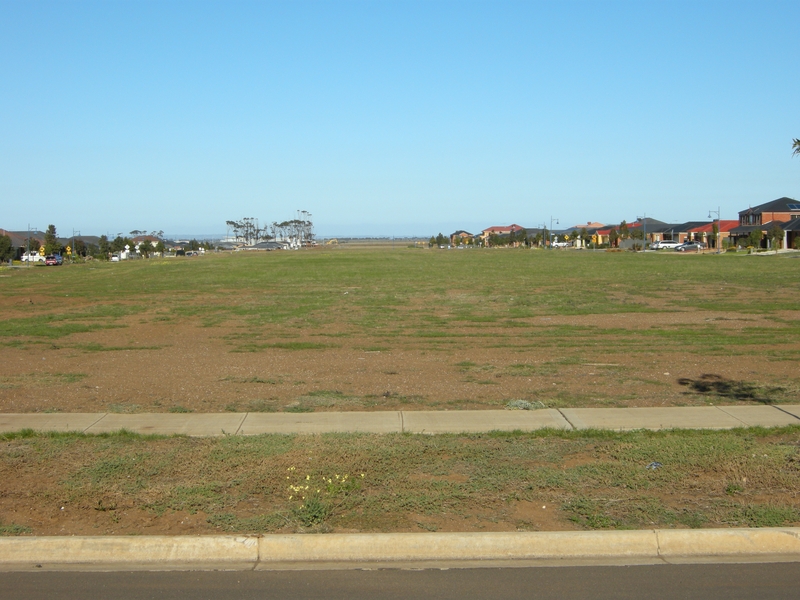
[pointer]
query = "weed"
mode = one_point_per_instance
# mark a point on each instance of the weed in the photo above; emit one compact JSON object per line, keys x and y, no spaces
{"x":298,"y":408}
{"x":14,"y":529}
{"x":123,"y":408}
{"x":764,"y":515}
{"x":260,"y":406}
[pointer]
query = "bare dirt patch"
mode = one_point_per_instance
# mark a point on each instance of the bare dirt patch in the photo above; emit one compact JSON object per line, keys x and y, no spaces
{"x":152,"y":366}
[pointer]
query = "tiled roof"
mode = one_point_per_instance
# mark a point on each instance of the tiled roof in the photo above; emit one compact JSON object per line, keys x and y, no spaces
{"x":780,"y":205}
{"x":724,"y":226}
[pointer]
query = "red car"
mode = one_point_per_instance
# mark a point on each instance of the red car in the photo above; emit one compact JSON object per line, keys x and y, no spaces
{"x":52,"y":261}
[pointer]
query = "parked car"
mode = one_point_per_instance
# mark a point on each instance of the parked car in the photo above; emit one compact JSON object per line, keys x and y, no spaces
{"x":52,"y":260}
{"x":661,"y":244}
{"x":561,"y":244}
{"x":690,"y":247}
{"x":32,"y":257}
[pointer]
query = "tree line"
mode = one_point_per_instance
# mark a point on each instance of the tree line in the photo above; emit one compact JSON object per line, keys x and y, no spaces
{"x":247,"y":230}
{"x":102,"y":250}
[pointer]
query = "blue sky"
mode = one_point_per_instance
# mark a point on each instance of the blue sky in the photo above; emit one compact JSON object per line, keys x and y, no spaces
{"x":392,"y":118}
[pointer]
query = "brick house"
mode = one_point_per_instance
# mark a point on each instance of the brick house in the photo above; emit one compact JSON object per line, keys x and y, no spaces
{"x":783,"y":212}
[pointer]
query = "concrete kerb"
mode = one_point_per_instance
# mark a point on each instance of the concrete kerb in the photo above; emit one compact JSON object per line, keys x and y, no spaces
{"x":349,"y":551}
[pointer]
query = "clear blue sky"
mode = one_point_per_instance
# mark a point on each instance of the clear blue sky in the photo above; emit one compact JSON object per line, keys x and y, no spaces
{"x":392,"y":118}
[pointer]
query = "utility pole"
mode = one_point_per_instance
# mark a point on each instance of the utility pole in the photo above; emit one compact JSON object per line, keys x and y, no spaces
{"x":719,"y":233}
{"x":644,"y":231}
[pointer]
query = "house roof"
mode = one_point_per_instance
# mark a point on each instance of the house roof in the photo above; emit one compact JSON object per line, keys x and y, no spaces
{"x":793,"y":225}
{"x":461,"y":232}
{"x":724,"y":226}
{"x":780,"y":205}
{"x":745,"y":229}
{"x":140,"y":238}
{"x":650,"y":223}
{"x":18,"y":238}
{"x":588,"y":225}
{"x":503,"y":228}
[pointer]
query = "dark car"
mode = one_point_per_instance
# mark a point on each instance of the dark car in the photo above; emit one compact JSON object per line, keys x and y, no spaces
{"x":690,"y":247}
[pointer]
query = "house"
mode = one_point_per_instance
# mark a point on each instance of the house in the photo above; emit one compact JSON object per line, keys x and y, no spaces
{"x":705,"y":233}
{"x":649,"y":229}
{"x":783,"y":212}
{"x":19,"y":240}
{"x":460,"y":237}
{"x":502,"y":230}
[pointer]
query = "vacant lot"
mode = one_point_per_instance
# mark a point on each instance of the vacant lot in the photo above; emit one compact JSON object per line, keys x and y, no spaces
{"x":375,"y":329}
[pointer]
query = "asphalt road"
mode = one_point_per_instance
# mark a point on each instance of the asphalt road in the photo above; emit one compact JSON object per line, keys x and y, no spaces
{"x":703,"y":582}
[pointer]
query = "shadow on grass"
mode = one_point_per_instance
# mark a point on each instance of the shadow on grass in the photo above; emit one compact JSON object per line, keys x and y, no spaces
{"x":716,"y":385}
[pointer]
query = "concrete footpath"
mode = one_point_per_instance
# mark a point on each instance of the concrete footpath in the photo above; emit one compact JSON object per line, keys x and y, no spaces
{"x":400,"y":550}
{"x":456,"y":421}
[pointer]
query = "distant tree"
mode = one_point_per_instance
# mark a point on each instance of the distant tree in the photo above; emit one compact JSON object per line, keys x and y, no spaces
{"x":512,"y":238}
{"x":136,"y":232}
{"x":247,"y":231}
{"x":33,"y":244}
{"x":441,"y":240}
{"x":715,"y":235}
{"x":754,"y":239}
{"x":624,"y":233}
{"x":103,"y":246}
{"x":119,"y":243}
{"x":574,"y":236}
{"x":145,"y":248}
{"x":545,"y":238}
{"x":584,"y":236}
{"x":432,"y":242}
{"x":613,"y":237}
{"x":775,"y":235}
{"x":6,"y":248}
{"x":51,"y":245}
{"x":160,"y":248}
{"x":80,"y":248}
{"x":796,"y":147}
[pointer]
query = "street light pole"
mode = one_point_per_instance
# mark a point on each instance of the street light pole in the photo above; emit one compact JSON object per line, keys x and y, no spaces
{"x":550,"y":235}
{"x":719,"y":232}
{"x":644,"y":231}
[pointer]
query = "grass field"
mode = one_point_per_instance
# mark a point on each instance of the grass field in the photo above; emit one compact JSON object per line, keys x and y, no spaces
{"x":381,"y":329}
{"x":432,"y":329}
